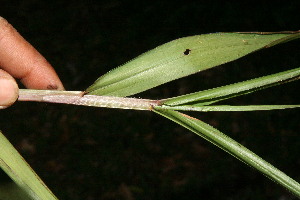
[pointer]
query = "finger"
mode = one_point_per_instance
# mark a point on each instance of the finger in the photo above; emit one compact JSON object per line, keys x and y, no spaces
{"x":24,"y":62}
{"x":8,"y":89}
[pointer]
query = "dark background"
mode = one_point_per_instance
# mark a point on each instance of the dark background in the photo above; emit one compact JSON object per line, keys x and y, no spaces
{"x":94,"y":153}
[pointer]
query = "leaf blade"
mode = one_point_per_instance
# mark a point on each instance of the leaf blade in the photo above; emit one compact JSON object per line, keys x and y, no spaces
{"x":180,"y":58}
{"x":21,"y":173}
{"x":213,"y":95}
{"x":10,"y":190}
{"x":232,"y":147}
{"x":228,"y":108}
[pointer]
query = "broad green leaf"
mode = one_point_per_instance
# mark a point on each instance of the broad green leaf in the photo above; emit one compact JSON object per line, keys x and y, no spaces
{"x":180,"y":58}
{"x":21,"y":173}
{"x":210,"y":96}
{"x":232,"y":147}
{"x":227,"y":107}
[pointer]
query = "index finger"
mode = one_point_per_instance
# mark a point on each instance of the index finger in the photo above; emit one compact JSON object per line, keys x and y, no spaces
{"x":24,"y":62}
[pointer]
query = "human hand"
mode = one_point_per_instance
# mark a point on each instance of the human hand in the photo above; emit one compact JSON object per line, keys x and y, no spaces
{"x":20,"y":60}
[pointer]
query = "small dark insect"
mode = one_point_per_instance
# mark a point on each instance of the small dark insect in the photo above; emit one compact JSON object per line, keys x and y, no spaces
{"x":187,"y":52}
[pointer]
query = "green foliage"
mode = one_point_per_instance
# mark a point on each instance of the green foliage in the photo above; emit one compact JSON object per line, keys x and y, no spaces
{"x":214,"y":95}
{"x":10,"y":190}
{"x":232,"y":147}
{"x":226,"y":107}
{"x":180,"y":58}
{"x":165,"y":63}
{"x":21,"y":173}
{"x":189,"y":55}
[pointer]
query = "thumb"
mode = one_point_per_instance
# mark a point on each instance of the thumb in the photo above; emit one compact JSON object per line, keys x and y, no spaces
{"x":9,"y":90}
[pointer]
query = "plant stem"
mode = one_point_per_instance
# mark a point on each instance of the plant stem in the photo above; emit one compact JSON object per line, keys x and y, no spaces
{"x":80,"y":98}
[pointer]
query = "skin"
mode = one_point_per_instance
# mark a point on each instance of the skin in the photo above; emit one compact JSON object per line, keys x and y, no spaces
{"x":20,"y":60}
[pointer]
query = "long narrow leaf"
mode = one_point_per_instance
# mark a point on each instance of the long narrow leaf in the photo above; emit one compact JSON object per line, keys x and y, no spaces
{"x":210,"y":96}
{"x":180,"y":58}
{"x":21,"y":173}
{"x":227,"y":107}
{"x":234,"y":148}
{"x":11,"y":191}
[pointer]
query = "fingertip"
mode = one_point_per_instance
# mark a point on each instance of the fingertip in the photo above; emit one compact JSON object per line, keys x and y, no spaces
{"x":24,"y":62}
{"x":9,"y":89}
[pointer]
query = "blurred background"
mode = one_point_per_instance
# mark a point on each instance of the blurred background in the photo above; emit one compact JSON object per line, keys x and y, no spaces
{"x":96,"y":153}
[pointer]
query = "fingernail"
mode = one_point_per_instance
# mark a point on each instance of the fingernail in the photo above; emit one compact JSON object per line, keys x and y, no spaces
{"x":55,"y":87}
{"x":52,"y":87}
{"x":9,"y":92}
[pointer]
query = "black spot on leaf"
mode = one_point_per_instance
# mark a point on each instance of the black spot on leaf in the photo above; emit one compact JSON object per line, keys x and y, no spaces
{"x":187,"y":52}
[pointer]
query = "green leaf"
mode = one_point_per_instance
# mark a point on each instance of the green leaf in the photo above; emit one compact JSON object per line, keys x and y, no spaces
{"x":232,"y":147}
{"x":11,"y":191}
{"x":180,"y":58}
{"x":21,"y":173}
{"x":210,"y":96}
{"x":227,"y":107}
